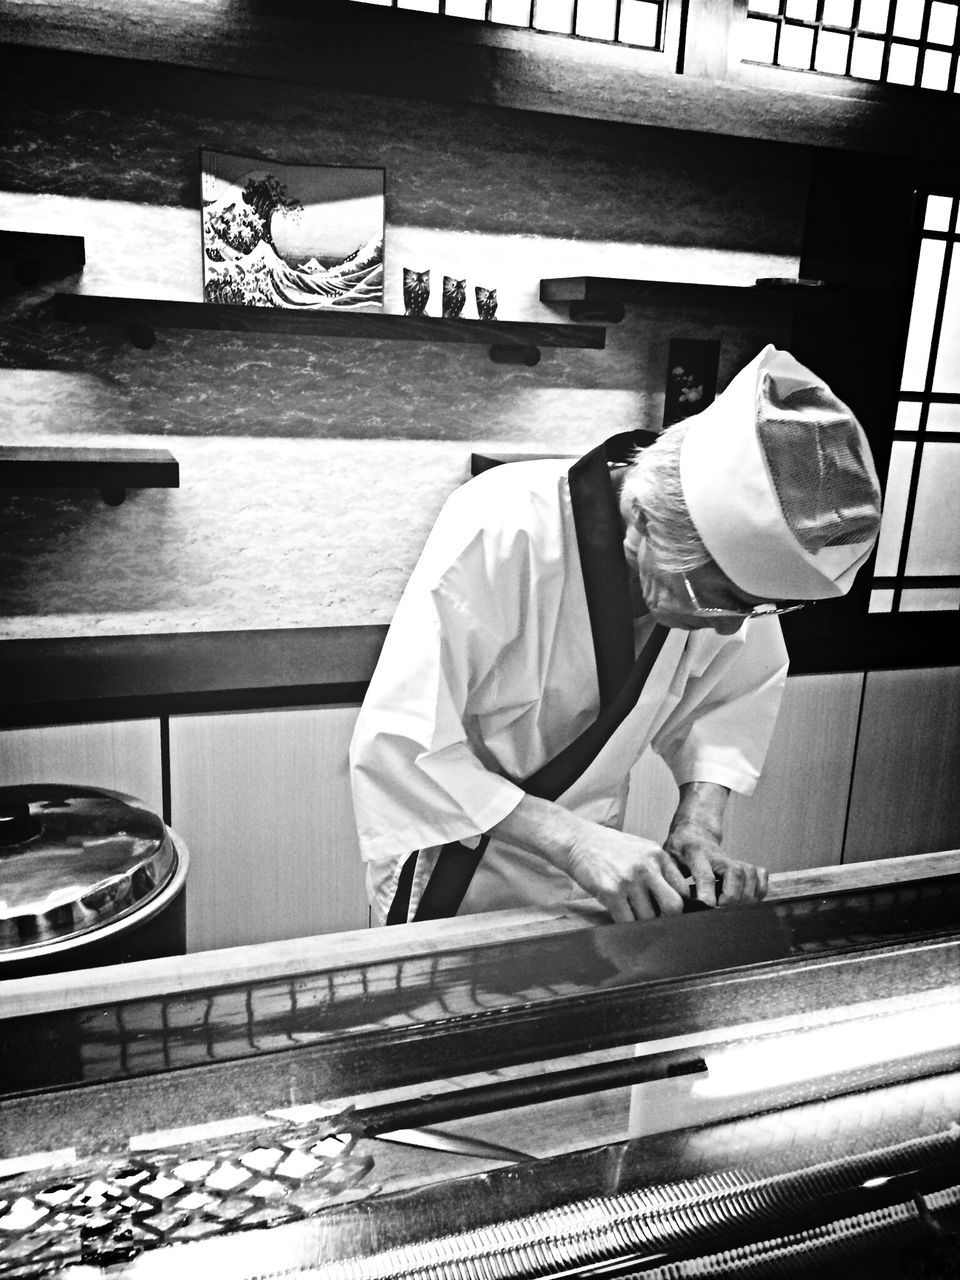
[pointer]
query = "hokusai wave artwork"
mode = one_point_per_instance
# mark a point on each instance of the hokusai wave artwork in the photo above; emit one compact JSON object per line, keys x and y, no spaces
{"x":291,"y":235}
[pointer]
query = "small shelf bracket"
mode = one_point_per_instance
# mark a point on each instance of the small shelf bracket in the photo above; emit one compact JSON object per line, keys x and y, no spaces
{"x":501,"y":353}
{"x":142,"y":336}
{"x":597,"y":312}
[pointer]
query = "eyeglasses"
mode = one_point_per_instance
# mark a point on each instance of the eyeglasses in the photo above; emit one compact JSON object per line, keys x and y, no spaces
{"x":758,"y":610}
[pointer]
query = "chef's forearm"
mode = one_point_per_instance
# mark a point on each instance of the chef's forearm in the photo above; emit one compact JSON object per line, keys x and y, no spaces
{"x":702,"y":805}
{"x":541,"y":827}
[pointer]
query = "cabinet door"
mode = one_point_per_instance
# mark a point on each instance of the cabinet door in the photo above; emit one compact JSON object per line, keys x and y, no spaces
{"x":121,"y":755}
{"x":906,"y":784}
{"x":795,"y":817}
{"x":262,"y":800}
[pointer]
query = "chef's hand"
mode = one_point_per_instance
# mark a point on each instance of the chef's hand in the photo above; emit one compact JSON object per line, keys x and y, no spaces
{"x":634,"y":878}
{"x":694,"y":842}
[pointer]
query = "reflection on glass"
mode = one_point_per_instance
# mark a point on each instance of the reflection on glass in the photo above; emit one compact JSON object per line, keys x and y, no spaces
{"x":639,"y":23}
{"x":802,"y":10}
{"x":946,"y":375}
{"x":943,"y":417}
{"x":942,"y":28}
{"x":513,"y":13}
{"x":924,"y":599}
{"x":838,"y":13}
{"x":873,"y":15}
{"x":902,"y":66}
{"x":894,"y":508}
{"x":908,"y":19}
{"x":832,"y":50}
{"x":760,"y":40}
{"x":553,"y":15}
{"x":881,"y":600}
{"x":867,"y":61}
{"x":597,"y":19}
{"x":922,"y":316}
{"x":935,"y":534}
{"x":796,"y":47}
{"x":908,"y":416}
{"x":936,"y":69}
{"x":466,"y":9}
{"x":937,"y":213}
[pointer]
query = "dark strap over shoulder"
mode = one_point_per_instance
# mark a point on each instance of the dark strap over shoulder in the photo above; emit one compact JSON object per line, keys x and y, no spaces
{"x":620,"y":676}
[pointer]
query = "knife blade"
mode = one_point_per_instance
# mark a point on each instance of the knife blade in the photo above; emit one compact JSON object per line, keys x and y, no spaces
{"x":457,"y":1144}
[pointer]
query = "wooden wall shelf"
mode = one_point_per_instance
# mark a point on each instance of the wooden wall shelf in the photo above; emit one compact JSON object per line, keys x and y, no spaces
{"x":605,"y":298}
{"x":112,"y":471}
{"x":35,"y":255}
{"x":510,"y":341}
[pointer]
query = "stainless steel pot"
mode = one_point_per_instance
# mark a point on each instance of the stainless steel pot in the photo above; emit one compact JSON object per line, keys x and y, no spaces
{"x":87,"y":877}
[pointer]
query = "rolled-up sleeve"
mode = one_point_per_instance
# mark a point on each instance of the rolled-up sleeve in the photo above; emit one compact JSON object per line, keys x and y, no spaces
{"x":721,"y":729}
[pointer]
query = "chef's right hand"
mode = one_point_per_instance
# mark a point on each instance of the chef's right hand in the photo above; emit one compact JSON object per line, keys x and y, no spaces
{"x":633,"y":878}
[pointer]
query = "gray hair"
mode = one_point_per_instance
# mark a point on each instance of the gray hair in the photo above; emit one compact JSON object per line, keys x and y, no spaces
{"x":652,"y":485}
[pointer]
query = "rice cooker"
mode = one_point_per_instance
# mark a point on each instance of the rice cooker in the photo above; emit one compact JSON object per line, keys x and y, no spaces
{"x":87,"y":877}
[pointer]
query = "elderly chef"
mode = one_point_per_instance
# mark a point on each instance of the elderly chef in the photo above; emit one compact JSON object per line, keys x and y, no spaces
{"x":562,"y":619}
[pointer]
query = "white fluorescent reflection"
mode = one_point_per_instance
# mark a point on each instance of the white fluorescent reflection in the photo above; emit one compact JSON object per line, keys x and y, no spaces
{"x":830,"y":1050}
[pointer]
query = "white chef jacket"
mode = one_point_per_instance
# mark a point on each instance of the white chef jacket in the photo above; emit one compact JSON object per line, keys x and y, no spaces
{"x":488,"y":669}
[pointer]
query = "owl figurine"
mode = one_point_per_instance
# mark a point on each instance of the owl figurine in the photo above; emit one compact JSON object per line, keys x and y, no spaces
{"x":416,"y":291}
{"x":454,"y":296}
{"x":486,"y":303}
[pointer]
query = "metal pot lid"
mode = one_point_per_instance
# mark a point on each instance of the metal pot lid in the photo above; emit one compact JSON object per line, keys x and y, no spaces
{"x":73,"y":859}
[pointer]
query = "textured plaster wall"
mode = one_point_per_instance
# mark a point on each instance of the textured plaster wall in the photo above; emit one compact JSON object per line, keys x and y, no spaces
{"x":311,"y":470}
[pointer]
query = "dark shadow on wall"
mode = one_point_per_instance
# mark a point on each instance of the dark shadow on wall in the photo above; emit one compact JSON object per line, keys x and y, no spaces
{"x":114,"y":130}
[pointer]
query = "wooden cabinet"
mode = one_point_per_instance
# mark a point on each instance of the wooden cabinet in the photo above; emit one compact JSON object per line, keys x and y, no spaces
{"x":120,"y":755}
{"x":262,"y":800}
{"x":795,"y":818}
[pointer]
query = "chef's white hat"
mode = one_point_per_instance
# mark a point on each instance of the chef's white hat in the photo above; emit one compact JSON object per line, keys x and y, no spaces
{"x":780,"y":483}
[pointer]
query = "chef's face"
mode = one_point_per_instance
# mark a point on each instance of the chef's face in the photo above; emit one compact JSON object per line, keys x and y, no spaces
{"x":703,"y":599}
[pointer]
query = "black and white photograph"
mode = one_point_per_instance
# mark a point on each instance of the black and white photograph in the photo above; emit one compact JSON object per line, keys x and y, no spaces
{"x":480,"y":640}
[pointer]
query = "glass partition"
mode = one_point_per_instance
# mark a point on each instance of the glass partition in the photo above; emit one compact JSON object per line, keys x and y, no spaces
{"x":918,"y":555}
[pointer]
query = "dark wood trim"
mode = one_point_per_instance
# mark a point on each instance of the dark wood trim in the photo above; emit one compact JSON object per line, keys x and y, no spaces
{"x":71,"y":680}
{"x":86,"y":679}
{"x":412,"y":55}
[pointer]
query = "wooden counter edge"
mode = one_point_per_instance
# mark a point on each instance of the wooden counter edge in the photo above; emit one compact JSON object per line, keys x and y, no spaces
{"x":263,"y":961}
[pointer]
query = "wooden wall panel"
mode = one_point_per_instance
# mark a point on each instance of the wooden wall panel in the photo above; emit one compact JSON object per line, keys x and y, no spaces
{"x":906,"y":785}
{"x":120,"y":756}
{"x":795,"y":818}
{"x":262,"y":800}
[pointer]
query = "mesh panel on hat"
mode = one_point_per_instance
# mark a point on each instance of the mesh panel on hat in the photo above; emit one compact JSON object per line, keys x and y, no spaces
{"x":815,"y":452}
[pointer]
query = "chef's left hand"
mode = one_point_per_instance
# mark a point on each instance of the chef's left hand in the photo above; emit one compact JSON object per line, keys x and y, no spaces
{"x":699,"y":853}
{"x":694,"y":843}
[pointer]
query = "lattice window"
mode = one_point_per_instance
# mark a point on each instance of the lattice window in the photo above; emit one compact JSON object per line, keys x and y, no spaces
{"x":918,"y":554}
{"x":909,"y":42}
{"x":638,"y":23}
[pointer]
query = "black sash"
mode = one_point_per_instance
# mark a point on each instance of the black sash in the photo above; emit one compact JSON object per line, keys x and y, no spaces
{"x":620,"y":675}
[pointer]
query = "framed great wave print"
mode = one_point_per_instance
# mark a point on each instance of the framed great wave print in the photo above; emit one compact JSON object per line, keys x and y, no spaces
{"x":291,"y":235}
